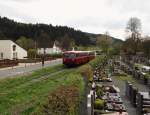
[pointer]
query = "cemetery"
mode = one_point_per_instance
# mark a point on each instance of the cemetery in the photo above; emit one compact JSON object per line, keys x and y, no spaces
{"x":105,"y":93}
{"x":105,"y":97}
{"x":140,"y":100}
{"x":137,"y":70}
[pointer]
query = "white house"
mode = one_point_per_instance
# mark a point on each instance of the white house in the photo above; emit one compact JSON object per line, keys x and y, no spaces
{"x":53,"y":50}
{"x":10,"y":50}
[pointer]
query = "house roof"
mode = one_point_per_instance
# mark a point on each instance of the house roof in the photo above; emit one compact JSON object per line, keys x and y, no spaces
{"x":1,"y":41}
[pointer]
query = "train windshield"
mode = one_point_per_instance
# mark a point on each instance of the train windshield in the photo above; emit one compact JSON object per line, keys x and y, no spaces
{"x":69,"y":55}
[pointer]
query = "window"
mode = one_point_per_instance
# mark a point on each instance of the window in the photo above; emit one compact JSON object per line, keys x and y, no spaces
{"x":14,"y":47}
{"x":69,"y":55}
{"x":1,"y":55}
{"x":15,"y":55}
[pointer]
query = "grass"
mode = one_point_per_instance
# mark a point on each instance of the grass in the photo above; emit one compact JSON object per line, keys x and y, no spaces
{"x":23,"y":95}
{"x":126,"y":78}
{"x":132,"y":80}
{"x":10,"y":83}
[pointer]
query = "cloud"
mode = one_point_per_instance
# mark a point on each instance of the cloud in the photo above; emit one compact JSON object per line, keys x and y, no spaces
{"x":25,"y":1}
{"x":9,"y":11}
{"x":95,"y":16}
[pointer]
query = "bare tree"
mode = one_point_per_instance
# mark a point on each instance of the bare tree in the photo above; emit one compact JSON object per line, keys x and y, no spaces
{"x":134,"y":26}
{"x":134,"y":31}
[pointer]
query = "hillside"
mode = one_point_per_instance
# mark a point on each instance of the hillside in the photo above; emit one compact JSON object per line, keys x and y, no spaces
{"x":10,"y":29}
{"x":94,"y":36}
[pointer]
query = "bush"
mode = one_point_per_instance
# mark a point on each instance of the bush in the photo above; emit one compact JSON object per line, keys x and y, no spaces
{"x":98,"y":61}
{"x":59,"y":55}
{"x":147,"y":76}
{"x":86,"y":70}
{"x":54,"y":55}
{"x":63,"y":101}
{"x":32,"y":53}
{"x":99,"y":104}
{"x":99,"y":92}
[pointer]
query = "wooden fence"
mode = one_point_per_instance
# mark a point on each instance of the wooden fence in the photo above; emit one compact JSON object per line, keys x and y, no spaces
{"x":8,"y":63}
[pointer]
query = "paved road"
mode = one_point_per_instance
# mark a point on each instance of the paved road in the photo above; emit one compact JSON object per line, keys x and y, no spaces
{"x":20,"y":70}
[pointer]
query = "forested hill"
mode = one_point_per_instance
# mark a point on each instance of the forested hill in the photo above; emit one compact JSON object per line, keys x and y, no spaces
{"x":9,"y":29}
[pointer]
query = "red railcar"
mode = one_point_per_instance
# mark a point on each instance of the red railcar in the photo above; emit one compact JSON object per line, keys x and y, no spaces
{"x":72,"y":58}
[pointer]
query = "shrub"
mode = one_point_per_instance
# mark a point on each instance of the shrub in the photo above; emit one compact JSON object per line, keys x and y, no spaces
{"x":32,"y":53}
{"x":98,"y":61}
{"x":63,"y":101}
{"x":86,"y":70}
{"x":99,"y":92}
{"x":56,"y":55}
{"x":99,"y":104}
{"x":147,"y":76}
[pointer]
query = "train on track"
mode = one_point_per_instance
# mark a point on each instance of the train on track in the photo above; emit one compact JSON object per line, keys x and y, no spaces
{"x":74,"y":58}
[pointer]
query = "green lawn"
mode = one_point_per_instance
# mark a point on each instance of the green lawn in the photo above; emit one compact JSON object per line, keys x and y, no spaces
{"x":23,"y":95}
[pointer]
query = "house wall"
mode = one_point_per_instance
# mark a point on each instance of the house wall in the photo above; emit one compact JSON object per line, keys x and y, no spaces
{"x":49,"y":50}
{"x":21,"y":53}
{"x":6,"y":47}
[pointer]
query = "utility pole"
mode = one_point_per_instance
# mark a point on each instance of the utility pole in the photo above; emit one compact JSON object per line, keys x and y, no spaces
{"x":35,"y":48}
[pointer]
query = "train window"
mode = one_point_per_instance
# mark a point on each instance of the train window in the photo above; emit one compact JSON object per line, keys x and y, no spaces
{"x":91,"y":53}
{"x":70,"y":55}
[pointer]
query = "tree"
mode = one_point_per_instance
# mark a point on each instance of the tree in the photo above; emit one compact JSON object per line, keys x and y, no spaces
{"x":146,"y":46}
{"x":67,"y":42}
{"x":32,"y":53}
{"x":26,"y":43}
{"x":116,"y":48}
{"x":13,"y":30}
{"x":133,"y":29}
{"x":134,"y":26}
{"x":44,"y":40}
{"x":104,"y":42}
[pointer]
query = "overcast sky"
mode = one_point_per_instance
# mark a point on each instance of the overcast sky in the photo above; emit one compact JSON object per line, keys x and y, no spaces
{"x":93,"y":16}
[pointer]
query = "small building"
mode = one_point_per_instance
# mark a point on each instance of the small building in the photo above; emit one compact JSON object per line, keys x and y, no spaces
{"x":10,"y":50}
{"x":53,"y":50}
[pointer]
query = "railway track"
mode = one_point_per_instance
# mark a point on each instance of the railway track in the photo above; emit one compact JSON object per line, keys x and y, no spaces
{"x":34,"y":79}
{"x":20,"y":94}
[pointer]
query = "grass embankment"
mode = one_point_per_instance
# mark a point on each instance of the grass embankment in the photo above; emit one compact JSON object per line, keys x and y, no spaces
{"x":31,"y":94}
{"x":24,"y":95}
